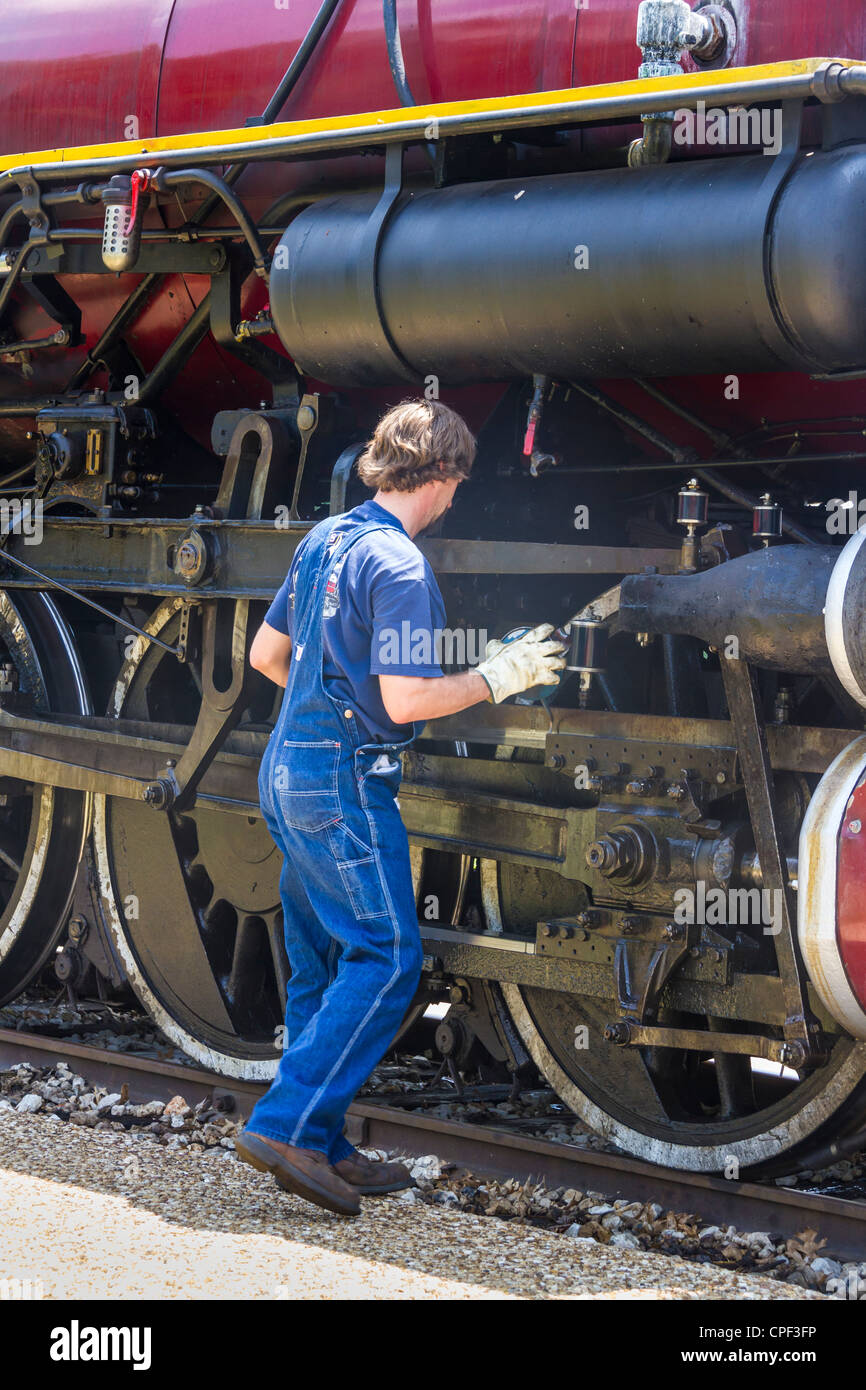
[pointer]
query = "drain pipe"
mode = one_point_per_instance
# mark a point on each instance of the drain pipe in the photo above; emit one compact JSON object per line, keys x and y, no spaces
{"x":665,"y":30}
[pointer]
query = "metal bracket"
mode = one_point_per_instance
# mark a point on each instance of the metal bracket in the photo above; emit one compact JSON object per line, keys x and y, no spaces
{"x":154,"y":257}
{"x":780,"y":170}
{"x":381,"y":349}
{"x":224,"y":645}
{"x":250,"y":480}
{"x":340,"y":475}
{"x":744,"y":704}
{"x":641,"y":970}
{"x":691,"y":806}
{"x":225,"y":315}
{"x":256,"y":473}
{"x":628,"y":1034}
{"x":53,"y":299}
{"x":31,"y":202}
{"x":183,"y":633}
{"x":306,"y":421}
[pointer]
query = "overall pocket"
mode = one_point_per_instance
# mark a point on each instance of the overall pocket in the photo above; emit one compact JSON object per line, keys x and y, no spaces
{"x":380,"y":780}
{"x":358,"y":871}
{"x":305,"y":784}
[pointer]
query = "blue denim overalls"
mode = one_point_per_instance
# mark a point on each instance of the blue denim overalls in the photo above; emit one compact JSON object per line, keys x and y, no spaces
{"x":351,"y":924}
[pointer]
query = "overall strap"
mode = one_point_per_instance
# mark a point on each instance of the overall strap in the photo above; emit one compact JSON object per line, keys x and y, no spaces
{"x":318,"y":560}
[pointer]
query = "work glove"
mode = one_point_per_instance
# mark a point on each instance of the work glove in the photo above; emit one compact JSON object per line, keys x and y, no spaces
{"x":511,"y":667}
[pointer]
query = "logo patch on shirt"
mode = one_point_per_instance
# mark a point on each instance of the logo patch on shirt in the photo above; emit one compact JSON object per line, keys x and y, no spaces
{"x":332,"y":589}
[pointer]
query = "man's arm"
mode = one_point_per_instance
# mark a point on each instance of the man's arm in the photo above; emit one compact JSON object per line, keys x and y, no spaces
{"x":408,"y":699}
{"x":271,"y":654}
{"x":535,"y":659}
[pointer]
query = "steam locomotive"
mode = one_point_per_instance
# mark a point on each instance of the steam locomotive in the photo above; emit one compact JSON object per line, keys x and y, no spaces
{"x":625,"y":241}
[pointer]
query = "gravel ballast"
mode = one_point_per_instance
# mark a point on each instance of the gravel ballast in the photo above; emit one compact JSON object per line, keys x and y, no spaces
{"x":102,"y":1213}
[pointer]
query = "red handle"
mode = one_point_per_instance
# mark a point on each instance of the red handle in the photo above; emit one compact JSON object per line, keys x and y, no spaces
{"x":140,"y":183}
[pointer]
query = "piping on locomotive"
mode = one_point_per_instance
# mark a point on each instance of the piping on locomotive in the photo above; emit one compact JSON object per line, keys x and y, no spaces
{"x":646,"y":885}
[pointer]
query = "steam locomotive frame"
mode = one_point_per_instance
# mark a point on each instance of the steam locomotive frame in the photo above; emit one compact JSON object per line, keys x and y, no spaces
{"x":551,"y":839}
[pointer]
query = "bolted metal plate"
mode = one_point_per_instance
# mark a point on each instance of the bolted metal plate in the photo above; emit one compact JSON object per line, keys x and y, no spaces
{"x":566,"y":940}
{"x":654,"y":760}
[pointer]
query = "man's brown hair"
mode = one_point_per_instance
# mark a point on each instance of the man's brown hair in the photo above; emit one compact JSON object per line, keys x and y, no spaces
{"x":410,"y":442}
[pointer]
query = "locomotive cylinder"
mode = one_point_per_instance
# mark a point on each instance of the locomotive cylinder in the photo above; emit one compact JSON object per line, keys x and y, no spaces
{"x":771,"y":601}
{"x":692,"y":267}
{"x":796,"y":608}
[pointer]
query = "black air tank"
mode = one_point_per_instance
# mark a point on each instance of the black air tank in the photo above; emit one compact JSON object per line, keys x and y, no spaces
{"x":715,"y":265}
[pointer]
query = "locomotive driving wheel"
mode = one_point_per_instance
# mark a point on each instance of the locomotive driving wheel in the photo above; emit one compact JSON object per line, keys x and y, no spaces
{"x":191,"y":898}
{"x":689,"y":1110}
{"x":42,"y":828}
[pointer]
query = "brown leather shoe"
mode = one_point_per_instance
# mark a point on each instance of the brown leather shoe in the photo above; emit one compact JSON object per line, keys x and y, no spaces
{"x":373,"y":1177}
{"x":306,"y":1172}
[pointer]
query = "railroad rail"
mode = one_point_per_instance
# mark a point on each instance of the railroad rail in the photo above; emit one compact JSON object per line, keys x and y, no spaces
{"x":483,"y":1149}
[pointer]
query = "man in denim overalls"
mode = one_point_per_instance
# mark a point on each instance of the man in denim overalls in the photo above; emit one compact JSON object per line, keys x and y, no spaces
{"x":350,"y":636}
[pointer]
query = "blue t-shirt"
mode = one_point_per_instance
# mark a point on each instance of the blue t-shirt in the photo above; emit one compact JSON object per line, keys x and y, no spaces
{"x":383,"y":616}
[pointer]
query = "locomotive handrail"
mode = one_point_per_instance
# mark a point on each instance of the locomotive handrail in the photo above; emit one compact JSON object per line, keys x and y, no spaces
{"x":823,"y":79}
